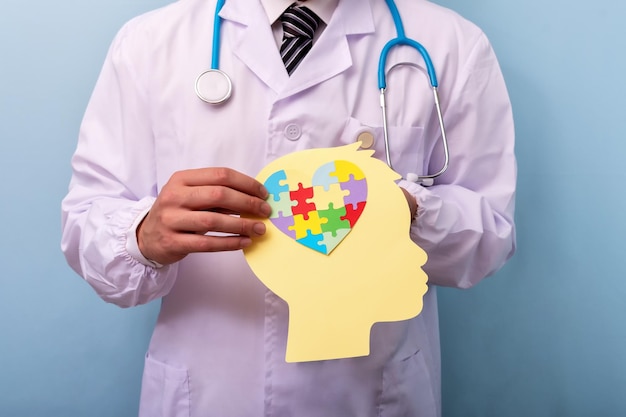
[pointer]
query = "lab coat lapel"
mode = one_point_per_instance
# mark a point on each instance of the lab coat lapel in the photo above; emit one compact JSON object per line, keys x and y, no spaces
{"x":331,"y":54}
{"x":252,"y":41}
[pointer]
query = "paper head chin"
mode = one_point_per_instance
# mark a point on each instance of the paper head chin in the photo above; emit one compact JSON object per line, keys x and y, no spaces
{"x":373,"y":275}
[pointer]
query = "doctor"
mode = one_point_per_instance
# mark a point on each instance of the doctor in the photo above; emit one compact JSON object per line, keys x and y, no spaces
{"x":156,"y":169}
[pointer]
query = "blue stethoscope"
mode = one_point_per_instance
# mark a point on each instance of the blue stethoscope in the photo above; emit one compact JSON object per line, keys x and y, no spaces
{"x":215,"y":87}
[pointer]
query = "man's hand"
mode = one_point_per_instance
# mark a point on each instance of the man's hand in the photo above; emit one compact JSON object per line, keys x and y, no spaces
{"x":198,"y":201}
{"x":412,"y":203}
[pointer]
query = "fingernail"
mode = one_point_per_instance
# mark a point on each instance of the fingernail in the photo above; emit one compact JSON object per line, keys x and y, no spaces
{"x":266,"y":209}
{"x":245,"y":242}
{"x":259,"y":228}
{"x":264,"y":192}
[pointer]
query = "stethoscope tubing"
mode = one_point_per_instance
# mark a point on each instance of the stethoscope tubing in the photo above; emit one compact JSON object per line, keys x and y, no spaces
{"x":214,"y":86}
{"x":382,"y":62}
{"x":217,"y":36}
{"x":401,"y":39}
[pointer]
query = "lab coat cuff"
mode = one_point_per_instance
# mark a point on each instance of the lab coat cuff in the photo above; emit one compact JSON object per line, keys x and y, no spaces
{"x":429,"y":224}
{"x":132,"y":246}
{"x":418,"y":192}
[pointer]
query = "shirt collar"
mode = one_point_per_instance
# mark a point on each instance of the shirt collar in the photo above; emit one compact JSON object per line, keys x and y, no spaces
{"x":322,"y":8}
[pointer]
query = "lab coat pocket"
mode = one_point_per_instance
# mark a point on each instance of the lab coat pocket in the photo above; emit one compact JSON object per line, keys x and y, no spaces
{"x":164,"y":390}
{"x":407,"y":389}
{"x":406,"y":144}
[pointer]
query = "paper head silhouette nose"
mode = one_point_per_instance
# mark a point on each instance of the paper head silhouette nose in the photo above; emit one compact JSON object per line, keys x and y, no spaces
{"x":337,"y":250}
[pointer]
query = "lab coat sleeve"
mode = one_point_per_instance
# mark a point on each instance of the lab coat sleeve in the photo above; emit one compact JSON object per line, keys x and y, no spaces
{"x":112,"y":185}
{"x":465,"y":222}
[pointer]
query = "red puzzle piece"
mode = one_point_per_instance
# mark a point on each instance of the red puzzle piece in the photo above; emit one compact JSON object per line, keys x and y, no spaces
{"x":301,"y":195}
{"x":353,"y":215}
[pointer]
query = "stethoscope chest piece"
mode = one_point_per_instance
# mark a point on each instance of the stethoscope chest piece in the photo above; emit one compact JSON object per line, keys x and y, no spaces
{"x":214,"y":86}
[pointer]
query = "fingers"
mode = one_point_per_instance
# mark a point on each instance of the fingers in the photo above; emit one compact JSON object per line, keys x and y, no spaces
{"x":201,"y":243}
{"x":199,"y":201}
{"x":203,"y":222}
{"x":218,"y":189}
{"x":222,"y":177}
{"x":167,"y":237}
{"x":412,"y":202}
{"x":227,"y":200}
{"x":177,"y":246}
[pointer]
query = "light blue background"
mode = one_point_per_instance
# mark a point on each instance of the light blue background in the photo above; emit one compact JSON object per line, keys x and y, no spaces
{"x":545,"y":337}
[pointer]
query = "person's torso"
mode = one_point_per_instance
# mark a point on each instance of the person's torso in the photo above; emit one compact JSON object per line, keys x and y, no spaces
{"x":219,"y":344}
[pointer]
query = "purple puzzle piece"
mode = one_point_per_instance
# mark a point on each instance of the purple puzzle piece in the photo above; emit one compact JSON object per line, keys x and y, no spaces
{"x":283,"y":224}
{"x":358,"y":191}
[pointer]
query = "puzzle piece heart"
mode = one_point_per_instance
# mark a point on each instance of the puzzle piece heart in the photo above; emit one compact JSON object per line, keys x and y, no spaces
{"x":319,"y":211}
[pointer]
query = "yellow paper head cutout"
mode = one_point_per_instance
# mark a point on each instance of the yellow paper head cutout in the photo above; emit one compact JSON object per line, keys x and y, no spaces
{"x":337,"y":250}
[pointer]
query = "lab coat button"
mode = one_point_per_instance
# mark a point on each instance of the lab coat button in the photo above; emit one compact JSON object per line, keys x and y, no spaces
{"x":366,"y":138}
{"x":293,"y":132}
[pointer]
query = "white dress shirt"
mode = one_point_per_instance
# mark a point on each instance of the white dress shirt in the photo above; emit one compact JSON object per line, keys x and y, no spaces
{"x":274,"y":9}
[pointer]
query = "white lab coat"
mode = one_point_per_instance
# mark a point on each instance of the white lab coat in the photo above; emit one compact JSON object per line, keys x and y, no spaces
{"x":219,"y":344}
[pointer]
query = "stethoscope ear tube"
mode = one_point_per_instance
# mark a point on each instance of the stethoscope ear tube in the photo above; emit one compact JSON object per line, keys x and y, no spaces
{"x":425,"y":180}
{"x":382,"y":62}
{"x":402,"y":39}
{"x":444,"y":139}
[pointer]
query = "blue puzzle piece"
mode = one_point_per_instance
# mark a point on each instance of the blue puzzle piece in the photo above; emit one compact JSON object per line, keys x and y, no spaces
{"x":313,"y":241}
{"x":276,"y":184}
{"x":322,"y":176}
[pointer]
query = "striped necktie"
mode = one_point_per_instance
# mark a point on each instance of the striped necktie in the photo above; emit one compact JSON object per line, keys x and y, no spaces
{"x":299,"y":25}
